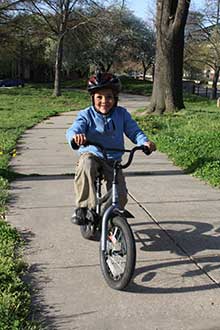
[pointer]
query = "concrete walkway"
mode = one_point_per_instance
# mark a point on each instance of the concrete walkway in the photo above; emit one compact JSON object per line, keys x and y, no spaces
{"x":176,"y":227}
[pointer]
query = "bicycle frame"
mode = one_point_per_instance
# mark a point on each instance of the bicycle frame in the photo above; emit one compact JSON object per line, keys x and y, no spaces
{"x":111,"y":209}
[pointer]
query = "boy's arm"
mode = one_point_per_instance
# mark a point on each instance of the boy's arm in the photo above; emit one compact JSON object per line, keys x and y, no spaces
{"x":135,"y":134}
{"x":133,"y":131}
{"x":78,"y":130}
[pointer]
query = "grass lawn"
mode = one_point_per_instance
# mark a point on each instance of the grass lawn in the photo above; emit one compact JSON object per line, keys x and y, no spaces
{"x":131,"y":85}
{"x":191,"y":137}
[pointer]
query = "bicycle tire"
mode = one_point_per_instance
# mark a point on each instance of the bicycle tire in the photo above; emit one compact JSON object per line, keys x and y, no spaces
{"x":111,"y":268}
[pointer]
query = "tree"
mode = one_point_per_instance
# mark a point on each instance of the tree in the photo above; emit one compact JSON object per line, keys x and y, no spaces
{"x":106,"y":42}
{"x":77,"y":50}
{"x":113,"y":39}
{"x":212,"y":33}
{"x":58,"y":15}
{"x":7,"y":9}
{"x":193,"y":65}
{"x":203,"y":43}
{"x":63,"y":16}
{"x":141,"y":45}
{"x":203,"y":54}
{"x":167,"y":88}
{"x":23,"y":40}
{"x":110,"y":38}
{"x":212,"y":12}
{"x":121,"y":37}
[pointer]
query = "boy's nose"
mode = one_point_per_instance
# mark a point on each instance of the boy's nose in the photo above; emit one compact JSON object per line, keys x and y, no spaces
{"x":104,"y":99}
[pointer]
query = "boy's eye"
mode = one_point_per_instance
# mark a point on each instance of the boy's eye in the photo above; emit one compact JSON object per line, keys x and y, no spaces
{"x":108,"y":97}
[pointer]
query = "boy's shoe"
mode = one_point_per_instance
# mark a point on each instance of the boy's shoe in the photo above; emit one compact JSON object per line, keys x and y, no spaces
{"x":79,"y":216}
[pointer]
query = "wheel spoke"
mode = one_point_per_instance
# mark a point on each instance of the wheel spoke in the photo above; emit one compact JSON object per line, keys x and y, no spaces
{"x":118,"y":260}
{"x":116,"y":265}
{"x":116,"y":252}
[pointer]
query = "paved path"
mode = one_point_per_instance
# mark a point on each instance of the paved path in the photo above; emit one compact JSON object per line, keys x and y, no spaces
{"x":177,"y":231}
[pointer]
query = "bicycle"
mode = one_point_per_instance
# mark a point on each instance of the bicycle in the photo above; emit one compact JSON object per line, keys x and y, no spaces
{"x":117,"y":243}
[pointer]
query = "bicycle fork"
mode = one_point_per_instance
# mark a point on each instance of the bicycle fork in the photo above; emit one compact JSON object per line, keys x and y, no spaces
{"x":110,"y":210}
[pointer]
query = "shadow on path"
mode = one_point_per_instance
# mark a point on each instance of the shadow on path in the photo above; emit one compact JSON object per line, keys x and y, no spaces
{"x":151,"y":285}
{"x":193,"y":237}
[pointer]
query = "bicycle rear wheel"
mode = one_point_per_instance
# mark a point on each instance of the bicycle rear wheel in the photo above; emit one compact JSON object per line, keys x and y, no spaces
{"x":118,"y":261}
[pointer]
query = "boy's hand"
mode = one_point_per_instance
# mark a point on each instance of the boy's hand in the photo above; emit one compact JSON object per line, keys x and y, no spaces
{"x":79,"y":139}
{"x":151,"y":146}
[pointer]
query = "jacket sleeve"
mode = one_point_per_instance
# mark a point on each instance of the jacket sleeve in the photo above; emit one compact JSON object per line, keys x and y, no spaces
{"x":133,"y":131}
{"x":79,"y":126}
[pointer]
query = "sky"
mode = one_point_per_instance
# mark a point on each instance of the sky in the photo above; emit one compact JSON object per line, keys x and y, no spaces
{"x":141,"y":8}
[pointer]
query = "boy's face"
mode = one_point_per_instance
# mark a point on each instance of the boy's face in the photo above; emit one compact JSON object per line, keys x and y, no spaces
{"x":104,"y":100}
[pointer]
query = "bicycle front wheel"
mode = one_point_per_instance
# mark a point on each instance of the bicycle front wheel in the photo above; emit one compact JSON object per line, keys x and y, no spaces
{"x":118,"y":261}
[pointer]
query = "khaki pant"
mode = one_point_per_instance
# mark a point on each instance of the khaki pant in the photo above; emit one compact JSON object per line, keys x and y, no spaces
{"x":86,"y":172}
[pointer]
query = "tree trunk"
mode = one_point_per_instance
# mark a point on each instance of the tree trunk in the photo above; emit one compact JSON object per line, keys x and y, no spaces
{"x":144,"y":70}
{"x":178,"y":69}
{"x":58,"y":67}
{"x":162,"y":95}
{"x":167,"y":88}
{"x":21,"y":61}
{"x":215,"y":84}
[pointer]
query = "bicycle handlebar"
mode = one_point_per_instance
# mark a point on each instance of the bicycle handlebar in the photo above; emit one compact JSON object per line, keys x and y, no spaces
{"x":143,"y":148}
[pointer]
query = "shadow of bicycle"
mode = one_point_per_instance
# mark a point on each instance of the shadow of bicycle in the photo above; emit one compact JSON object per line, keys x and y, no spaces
{"x":145,"y":278}
{"x":187,"y":270}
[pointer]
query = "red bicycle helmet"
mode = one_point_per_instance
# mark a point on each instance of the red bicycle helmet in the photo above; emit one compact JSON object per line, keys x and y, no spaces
{"x":104,"y":80}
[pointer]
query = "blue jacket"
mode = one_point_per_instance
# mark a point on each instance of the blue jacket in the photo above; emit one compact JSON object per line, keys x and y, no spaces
{"x":108,"y":130}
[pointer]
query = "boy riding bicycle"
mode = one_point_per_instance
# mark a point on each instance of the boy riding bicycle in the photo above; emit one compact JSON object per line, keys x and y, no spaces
{"x":104,"y":122}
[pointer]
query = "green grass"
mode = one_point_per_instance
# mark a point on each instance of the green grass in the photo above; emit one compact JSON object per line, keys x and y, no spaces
{"x":191,"y":138}
{"x":20,"y":109}
{"x":134,"y":86}
{"x":14,"y":293}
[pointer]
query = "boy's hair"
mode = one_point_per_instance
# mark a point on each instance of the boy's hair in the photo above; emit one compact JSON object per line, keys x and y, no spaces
{"x":104,"y":81}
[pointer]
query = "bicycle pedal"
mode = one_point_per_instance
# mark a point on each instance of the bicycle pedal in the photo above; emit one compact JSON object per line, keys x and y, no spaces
{"x":91,"y":216}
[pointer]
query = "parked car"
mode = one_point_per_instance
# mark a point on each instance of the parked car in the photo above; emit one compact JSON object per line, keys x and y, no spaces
{"x":11,"y":83}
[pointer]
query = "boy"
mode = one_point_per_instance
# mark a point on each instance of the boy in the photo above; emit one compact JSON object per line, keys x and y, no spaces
{"x":106,"y":123}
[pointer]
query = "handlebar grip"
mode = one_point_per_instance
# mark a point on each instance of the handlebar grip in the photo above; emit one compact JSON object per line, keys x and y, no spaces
{"x":76,"y":146}
{"x":146,"y":150}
